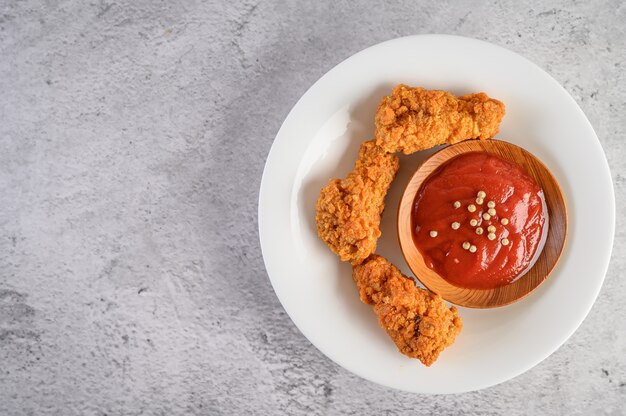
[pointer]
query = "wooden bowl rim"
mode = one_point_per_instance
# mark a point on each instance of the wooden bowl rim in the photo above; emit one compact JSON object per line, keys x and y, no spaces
{"x":485,"y":296}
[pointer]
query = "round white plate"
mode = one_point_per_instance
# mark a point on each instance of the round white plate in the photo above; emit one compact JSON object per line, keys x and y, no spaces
{"x":319,"y":140}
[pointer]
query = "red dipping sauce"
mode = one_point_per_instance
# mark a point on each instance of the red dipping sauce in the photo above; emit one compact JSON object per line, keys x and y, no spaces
{"x":479,"y":221}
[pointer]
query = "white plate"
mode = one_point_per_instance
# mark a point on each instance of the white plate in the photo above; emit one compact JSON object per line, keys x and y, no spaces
{"x":319,"y":140}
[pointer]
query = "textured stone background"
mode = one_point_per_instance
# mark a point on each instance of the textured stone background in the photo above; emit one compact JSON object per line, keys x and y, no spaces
{"x":132,"y":140}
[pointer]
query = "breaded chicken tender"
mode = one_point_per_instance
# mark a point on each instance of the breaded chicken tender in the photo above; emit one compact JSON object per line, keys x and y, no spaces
{"x":348,"y":210}
{"x":412,"y":119}
{"x":417,"y":320}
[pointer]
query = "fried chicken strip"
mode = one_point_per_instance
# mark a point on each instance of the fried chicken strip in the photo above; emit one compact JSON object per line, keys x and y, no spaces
{"x":348,"y":211}
{"x":412,"y":119}
{"x":417,"y":320}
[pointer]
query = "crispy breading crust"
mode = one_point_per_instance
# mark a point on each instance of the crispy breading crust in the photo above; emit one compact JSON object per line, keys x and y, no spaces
{"x":417,"y":320}
{"x":348,"y":211}
{"x":412,"y":119}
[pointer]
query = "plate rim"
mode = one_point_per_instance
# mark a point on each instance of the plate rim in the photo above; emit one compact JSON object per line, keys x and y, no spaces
{"x":596,"y":143}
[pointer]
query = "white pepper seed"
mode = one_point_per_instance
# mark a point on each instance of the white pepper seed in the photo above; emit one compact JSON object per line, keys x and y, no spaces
{"x":491,"y":236}
{"x":473,"y":222}
{"x":455,"y":225}
{"x":433,"y":233}
{"x":457,"y":204}
{"x":504,"y":221}
{"x":466,"y":245}
{"x":471,"y":207}
{"x":479,"y":230}
{"x":479,"y":201}
{"x":481,"y":194}
{"x":491,"y":204}
{"x":486,"y":216}
{"x":491,"y":212}
{"x":472,"y":249}
{"x":505,"y":241}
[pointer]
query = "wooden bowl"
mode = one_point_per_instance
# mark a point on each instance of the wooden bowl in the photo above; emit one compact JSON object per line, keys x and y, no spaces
{"x":555,"y":239}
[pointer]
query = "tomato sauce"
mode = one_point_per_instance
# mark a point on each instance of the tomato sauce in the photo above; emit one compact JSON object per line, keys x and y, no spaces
{"x":479,"y":221}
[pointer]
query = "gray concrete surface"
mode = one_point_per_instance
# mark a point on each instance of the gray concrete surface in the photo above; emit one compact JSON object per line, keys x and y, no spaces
{"x":132,"y":140}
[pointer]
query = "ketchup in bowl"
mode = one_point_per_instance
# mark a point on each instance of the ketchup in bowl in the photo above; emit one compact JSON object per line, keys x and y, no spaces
{"x":479,"y":221}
